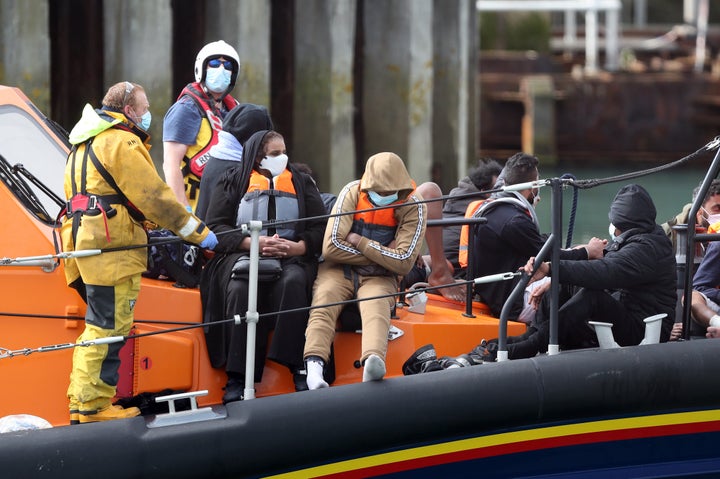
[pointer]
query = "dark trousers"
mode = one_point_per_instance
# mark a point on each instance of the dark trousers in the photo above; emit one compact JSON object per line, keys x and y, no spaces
{"x":288,"y":341}
{"x":574,"y":332}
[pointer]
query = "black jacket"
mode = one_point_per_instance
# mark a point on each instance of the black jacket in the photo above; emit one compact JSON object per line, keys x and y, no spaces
{"x":639,"y":265}
{"x":504,"y":244}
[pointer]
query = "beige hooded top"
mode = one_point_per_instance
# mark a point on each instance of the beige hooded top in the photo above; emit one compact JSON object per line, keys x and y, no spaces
{"x":384,"y":172}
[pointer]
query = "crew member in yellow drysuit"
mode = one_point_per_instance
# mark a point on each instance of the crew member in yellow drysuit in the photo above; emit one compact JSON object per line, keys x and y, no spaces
{"x":112,"y":186}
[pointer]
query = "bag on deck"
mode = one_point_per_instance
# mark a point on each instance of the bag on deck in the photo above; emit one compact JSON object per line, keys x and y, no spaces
{"x":175,"y":261}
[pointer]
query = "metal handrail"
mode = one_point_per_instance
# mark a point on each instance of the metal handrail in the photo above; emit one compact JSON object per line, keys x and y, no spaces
{"x":692,"y":238}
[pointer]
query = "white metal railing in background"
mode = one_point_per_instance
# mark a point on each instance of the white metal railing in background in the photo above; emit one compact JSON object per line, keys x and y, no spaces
{"x":611,"y":8}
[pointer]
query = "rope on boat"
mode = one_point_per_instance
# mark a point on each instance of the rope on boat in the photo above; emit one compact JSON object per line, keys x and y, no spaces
{"x":573,"y":211}
{"x":585,"y":184}
{"x":8,"y":353}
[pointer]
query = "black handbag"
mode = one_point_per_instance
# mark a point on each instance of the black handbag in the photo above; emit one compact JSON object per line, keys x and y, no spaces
{"x":269,"y":269}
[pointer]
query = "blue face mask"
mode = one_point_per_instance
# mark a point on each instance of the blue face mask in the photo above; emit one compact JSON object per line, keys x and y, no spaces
{"x":145,"y":121}
{"x":217,"y":80}
{"x":379,"y":200}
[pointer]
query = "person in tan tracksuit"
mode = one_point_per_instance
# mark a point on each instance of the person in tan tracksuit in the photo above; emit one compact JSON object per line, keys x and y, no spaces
{"x":363,"y":254}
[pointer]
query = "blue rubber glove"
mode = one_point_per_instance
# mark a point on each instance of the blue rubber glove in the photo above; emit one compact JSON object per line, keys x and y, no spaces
{"x":210,"y":241}
{"x":189,"y":208}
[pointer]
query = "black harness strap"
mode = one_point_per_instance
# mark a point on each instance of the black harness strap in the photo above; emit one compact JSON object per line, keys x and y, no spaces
{"x":135,"y":213}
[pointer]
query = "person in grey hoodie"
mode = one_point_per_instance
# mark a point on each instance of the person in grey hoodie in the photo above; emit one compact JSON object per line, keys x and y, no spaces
{"x":239,"y":125}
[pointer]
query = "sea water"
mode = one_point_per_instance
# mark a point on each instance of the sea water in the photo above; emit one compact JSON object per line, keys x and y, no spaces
{"x":670,"y":189}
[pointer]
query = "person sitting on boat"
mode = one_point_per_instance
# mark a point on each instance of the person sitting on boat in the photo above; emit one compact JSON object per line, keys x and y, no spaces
{"x":480,"y":178}
{"x":708,"y":214}
{"x":238,"y":126}
{"x":512,"y":235}
{"x":112,"y":186}
{"x":434,"y":268}
{"x":441,"y":265}
{"x":705,"y":296}
{"x":265,"y":187}
{"x":363,"y":254}
{"x":635,"y":279}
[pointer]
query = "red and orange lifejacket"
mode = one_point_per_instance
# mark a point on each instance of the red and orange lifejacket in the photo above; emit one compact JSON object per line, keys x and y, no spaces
{"x":465,"y":233}
{"x":198,"y":153}
{"x":378,"y":225}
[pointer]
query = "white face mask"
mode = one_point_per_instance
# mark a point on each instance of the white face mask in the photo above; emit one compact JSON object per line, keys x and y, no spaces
{"x":217,"y":80}
{"x":712,"y":219}
{"x":274,"y":164}
{"x":611,"y":230}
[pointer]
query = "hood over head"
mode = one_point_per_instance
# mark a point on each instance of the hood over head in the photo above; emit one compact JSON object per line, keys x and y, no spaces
{"x":633,"y":208}
{"x":246,"y":119}
{"x":386,"y":172}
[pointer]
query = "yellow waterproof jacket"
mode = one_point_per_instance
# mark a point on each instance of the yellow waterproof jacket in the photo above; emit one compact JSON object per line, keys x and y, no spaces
{"x":383,"y":172}
{"x":120,"y":147}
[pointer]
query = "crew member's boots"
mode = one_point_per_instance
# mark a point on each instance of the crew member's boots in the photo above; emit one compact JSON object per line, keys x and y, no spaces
{"x":108,"y":413}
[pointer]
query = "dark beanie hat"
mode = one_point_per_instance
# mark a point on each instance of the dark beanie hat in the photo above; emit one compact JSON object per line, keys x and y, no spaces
{"x":632,"y":208}
{"x":246,"y":119}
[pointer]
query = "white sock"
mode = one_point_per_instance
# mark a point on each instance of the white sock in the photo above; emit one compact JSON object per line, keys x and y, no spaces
{"x":374,"y":368}
{"x":715,"y":321}
{"x":315,"y":378}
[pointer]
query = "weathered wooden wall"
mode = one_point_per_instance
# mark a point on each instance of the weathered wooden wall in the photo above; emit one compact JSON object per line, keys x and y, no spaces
{"x":341,"y":80}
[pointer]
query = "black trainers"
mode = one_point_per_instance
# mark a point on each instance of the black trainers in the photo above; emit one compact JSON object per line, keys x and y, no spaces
{"x":462,"y":361}
{"x":486,"y":351}
{"x":424,"y":360}
{"x":234,"y":390}
{"x":300,"y":380}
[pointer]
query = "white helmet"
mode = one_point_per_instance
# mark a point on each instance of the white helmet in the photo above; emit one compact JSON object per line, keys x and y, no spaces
{"x":214,"y":50}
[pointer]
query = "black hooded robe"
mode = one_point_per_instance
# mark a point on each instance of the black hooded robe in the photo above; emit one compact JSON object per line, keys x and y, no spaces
{"x":222,"y":341}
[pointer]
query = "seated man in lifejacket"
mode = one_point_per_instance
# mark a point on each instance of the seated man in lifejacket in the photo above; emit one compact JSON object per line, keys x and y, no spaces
{"x":455,"y":238}
{"x":512,"y":235}
{"x":363,"y":254}
{"x":442,"y":265}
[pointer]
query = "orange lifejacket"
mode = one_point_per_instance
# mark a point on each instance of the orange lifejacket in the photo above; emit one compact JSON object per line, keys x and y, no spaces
{"x":378,"y":225}
{"x":255,"y":204}
{"x":465,"y":232}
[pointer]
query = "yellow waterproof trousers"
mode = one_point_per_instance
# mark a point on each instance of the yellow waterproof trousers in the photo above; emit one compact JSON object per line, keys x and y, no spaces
{"x":94,"y":375}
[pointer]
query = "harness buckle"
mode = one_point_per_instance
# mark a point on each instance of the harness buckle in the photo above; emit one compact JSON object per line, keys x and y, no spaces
{"x":92,"y":202}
